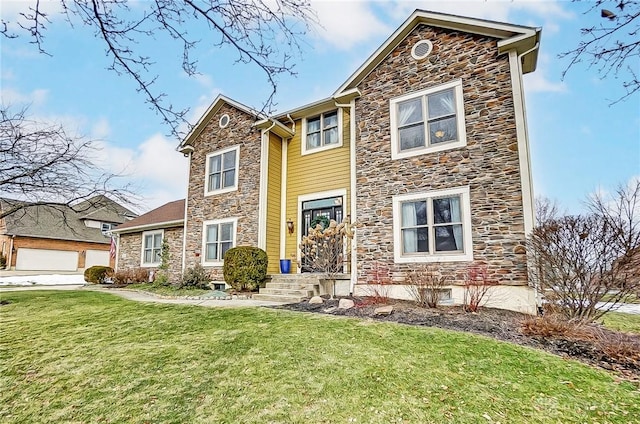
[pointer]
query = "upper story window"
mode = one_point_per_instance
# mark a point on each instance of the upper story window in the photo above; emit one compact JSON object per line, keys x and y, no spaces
{"x":218,"y":237}
{"x":106,"y":227}
{"x":427,"y":121}
{"x":322,"y":132}
{"x":432,"y":226}
{"x":152,"y":248}
{"x":222,"y":171}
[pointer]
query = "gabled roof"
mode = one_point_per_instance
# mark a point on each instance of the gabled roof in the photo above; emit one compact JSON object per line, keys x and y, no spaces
{"x":523,"y":39}
{"x":50,"y":221}
{"x":165,"y":216}
{"x":101,"y":208}
{"x":218,"y":102}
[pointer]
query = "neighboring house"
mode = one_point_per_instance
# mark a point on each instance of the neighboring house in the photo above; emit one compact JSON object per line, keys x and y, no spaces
{"x":57,"y":237}
{"x":140,"y":240}
{"x":425,"y":146}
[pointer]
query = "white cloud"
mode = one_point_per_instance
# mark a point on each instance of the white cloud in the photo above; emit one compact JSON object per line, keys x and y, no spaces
{"x":101,"y":129}
{"x":539,"y":82}
{"x":347,"y":23}
{"x":11,"y":97}
{"x":13,"y":11}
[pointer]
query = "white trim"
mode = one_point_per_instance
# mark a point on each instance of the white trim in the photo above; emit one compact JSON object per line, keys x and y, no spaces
{"x":342,"y":192}
{"x":228,"y":119}
{"x":508,"y":33}
{"x":234,"y":221}
{"x":283,"y":199}
{"x":465,"y":256}
{"x":262,"y":198}
{"x":184,"y":225}
{"x":460,"y":119}
{"x":524,"y":157}
{"x":352,"y":194}
{"x":206,"y":171}
{"x":144,"y":235}
{"x":419,"y":43}
{"x":148,"y":227}
{"x":303,"y":139}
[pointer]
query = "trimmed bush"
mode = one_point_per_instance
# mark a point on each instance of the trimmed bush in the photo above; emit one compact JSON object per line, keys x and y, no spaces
{"x":195,"y":278}
{"x":97,"y":274}
{"x":245,"y":267}
{"x":131,"y":276}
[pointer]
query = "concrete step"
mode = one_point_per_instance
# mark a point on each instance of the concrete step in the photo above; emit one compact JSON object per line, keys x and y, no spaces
{"x":293,"y":286}
{"x":276,"y":298}
{"x":287,"y":292}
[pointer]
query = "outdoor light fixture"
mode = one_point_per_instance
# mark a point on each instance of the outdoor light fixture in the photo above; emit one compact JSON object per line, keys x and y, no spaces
{"x":290,"y":226}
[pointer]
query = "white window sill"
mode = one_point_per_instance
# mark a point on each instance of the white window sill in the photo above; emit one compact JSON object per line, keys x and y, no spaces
{"x":151,"y":265}
{"x":221,"y":191}
{"x":395,"y":154}
{"x":324,"y":148}
{"x":459,"y":257}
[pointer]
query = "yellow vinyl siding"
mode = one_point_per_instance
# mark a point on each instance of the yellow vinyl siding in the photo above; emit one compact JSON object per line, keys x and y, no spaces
{"x":315,"y":172}
{"x":274,"y":221}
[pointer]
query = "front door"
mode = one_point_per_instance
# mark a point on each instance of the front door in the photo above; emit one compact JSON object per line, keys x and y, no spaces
{"x":330,"y":208}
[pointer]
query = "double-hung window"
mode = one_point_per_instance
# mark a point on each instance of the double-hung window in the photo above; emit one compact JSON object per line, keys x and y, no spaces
{"x":321,"y":132}
{"x":152,"y":248}
{"x":222,"y":171}
{"x":432,"y":226}
{"x":426,"y":121}
{"x":218,"y":237}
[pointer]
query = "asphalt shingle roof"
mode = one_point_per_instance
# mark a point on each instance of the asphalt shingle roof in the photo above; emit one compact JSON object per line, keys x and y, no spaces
{"x":170,"y":212}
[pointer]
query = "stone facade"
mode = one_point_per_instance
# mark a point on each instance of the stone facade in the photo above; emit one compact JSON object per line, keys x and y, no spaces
{"x":488,"y":164}
{"x":130,"y":252}
{"x":241,"y":203}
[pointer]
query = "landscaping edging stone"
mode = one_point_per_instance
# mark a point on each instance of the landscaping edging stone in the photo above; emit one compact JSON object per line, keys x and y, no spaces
{"x":207,"y":296}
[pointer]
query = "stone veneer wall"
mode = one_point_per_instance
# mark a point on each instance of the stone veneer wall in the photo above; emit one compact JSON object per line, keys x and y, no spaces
{"x":488,"y":164}
{"x":242,"y":203}
{"x":130,"y":252}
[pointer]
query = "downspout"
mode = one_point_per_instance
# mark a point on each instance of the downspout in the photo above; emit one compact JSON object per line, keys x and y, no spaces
{"x":117,"y":251}
{"x":353,"y":267}
{"x":262,"y":198}
{"x":293,"y":123}
{"x":184,"y":226}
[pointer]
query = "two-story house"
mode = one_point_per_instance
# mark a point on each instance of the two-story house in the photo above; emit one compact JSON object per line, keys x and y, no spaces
{"x":425,"y":146}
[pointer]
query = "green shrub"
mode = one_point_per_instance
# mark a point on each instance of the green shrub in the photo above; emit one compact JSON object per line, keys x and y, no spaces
{"x":196,"y":277}
{"x":131,"y":276}
{"x":245,"y":267}
{"x":97,"y":274}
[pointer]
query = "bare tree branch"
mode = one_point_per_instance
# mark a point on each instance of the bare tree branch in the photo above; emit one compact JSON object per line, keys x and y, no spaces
{"x":40,"y":164}
{"x":612,"y":46}
{"x":263,"y":33}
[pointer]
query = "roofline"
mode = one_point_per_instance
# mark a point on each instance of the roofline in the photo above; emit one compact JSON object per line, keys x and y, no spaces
{"x":154,"y":225}
{"x":274,"y":126}
{"x":511,"y":37}
{"x":106,"y":241}
{"x":211,"y":110}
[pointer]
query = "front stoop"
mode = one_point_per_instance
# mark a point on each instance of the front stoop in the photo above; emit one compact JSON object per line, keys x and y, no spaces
{"x":289,"y":288}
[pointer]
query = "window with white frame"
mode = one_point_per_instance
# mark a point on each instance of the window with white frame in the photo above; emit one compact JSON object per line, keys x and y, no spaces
{"x":321,"y":132}
{"x":106,"y":227}
{"x":428,"y":121}
{"x":432,"y":226}
{"x":152,"y":248}
{"x":218,"y":237}
{"x":222,"y":171}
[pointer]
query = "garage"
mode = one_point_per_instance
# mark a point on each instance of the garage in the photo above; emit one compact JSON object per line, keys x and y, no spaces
{"x":46,"y":260}
{"x":96,"y":257}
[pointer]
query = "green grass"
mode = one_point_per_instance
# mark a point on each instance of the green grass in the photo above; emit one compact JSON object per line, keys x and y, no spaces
{"x":622,"y":322}
{"x":92,"y":357}
{"x":167,"y":290}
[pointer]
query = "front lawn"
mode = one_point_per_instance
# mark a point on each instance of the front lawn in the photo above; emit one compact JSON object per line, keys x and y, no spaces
{"x":93,"y":357}
{"x":167,"y":290}
{"x":629,"y":323}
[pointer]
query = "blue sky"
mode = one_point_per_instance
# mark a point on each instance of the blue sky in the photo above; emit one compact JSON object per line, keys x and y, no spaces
{"x":579,"y":143}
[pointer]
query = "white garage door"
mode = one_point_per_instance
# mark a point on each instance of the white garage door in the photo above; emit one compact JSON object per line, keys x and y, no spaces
{"x":46,"y":260}
{"x":96,"y":257}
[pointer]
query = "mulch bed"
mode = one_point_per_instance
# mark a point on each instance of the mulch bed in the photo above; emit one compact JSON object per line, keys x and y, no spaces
{"x":495,"y":323}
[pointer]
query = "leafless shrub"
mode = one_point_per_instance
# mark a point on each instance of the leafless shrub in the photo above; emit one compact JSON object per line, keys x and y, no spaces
{"x":426,"y":284}
{"x":131,"y":276}
{"x":477,"y":286}
{"x":323,"y":249}
{"x":579,"y":261}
